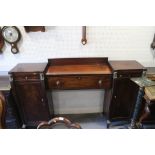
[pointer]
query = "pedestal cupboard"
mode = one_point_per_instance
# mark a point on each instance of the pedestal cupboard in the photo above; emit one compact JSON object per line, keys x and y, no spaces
{"x":27,"y":82}
{"x":121,"y":98}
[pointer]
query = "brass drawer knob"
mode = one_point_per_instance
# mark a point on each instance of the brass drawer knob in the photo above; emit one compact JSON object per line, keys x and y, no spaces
{"x":79,"y":78}
{"x":58,"y":83}
{"x":100,"y":82}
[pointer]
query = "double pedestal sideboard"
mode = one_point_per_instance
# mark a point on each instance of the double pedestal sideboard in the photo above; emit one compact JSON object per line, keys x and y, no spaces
{"x":32,"y":83}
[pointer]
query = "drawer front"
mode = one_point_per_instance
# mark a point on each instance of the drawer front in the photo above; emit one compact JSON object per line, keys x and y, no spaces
{"x":128,"y":74}
{"x":25,"y":77}
{"x":79,"y":82}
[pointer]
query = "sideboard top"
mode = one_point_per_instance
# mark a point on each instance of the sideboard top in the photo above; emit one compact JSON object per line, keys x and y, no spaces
{"x":118,"y":65}
{"x":78,"y":66}
{"x":78,"y":69}
{"x":69,"y":66}
{"x":28,"y":67}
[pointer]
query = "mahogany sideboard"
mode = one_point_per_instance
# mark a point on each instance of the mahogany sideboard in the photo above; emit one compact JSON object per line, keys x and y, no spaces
{"x":32,"y":83}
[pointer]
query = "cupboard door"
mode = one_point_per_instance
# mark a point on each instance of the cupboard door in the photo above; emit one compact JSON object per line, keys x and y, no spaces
{"x":32,"y":101}
{"x":123,"y":98}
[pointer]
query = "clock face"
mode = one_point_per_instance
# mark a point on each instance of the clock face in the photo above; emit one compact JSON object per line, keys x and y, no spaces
{"x":10,"y":34}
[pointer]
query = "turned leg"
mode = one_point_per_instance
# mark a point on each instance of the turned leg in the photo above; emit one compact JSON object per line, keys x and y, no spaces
{"x":134,"y":121}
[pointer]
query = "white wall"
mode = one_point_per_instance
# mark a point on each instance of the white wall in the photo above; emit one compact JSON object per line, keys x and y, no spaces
{"x":117,"y":43}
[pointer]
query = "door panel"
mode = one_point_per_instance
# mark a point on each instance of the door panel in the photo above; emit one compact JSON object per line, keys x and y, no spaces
{"x":32,"y":100}
{"x":123,"y":99}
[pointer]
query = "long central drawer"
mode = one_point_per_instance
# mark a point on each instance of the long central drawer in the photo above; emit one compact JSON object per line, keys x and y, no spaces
{"x":79,"y":82}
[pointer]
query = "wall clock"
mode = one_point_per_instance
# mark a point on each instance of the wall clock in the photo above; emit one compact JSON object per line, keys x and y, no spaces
{"x":1,"y":41}
{"x":12,"y":35}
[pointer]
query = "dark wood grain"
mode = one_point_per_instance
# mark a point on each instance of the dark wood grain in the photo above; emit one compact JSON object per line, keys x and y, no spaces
{"x":75,"y":73}
{"x":32,"y":100}
{"x":79,"y":69}
{"x":78,"y":73}
{"x":26,"y":76}
{"x":120,"y":100}
{"x":76,"y":61}
{"x":29,"y":93}
{"x":128,"y":65}
{"x":28,"y":68}
{"x":123,"y":99}
{"x":34,"y":28}
{"x":79,"y":82}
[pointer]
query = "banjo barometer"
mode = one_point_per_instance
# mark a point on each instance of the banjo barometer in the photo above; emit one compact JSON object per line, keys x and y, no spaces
{"x":11,"y":34}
